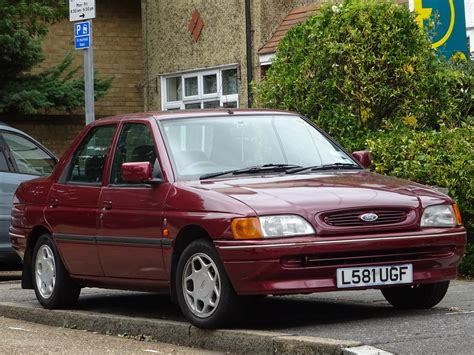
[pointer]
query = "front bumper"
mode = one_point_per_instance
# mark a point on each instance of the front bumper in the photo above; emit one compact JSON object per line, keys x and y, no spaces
{"x":309,"y":264}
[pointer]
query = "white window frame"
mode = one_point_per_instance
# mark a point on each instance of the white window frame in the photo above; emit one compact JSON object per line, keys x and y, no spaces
{"x":183,"y":83}
{"x":213,"y":95}
{"x":201,"y":97}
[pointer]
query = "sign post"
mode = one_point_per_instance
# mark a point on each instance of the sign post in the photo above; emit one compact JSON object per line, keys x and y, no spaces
{"x":80,"y":10}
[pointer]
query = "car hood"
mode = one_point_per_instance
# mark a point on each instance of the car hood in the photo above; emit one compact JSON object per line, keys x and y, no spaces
{"x":311,"y":195}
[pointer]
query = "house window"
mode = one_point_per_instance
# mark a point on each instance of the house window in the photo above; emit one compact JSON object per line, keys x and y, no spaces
{"x":201,"y":89}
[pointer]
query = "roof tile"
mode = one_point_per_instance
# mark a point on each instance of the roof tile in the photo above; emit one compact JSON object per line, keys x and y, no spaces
{"x":294,"y":17}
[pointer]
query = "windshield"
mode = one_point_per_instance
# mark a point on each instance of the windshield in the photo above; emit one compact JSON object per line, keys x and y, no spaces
{"x":203,"y":146}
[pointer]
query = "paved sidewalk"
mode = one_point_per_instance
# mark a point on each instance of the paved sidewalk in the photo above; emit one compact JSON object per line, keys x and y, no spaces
{"x":19,"y":337}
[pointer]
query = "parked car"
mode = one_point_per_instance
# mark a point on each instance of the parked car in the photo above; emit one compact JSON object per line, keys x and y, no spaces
{"x":212,"y":205}
{"x":21,"y":158}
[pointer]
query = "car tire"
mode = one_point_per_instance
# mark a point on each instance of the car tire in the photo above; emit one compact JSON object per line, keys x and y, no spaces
{"x":422,"y":296}
{"x":53,"y":287}
{"x":204,"y":292}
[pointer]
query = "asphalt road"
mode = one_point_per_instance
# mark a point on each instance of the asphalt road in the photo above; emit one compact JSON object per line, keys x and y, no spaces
{"x":351,"y":315}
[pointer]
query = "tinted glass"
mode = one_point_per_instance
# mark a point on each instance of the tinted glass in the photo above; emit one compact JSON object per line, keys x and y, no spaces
{"x":191,"y":86}
{"x":229,"y":82}
{"x":3,"y":162}
{"x":88,"y":161}
{"x":193,"y":106}
{"x":206,"y":145}
{"x":135,"y":145}
{"x":29,"y":157}
{"x":212,"y":104}
{"x":210,"y":84}
{"x":173,"y":89}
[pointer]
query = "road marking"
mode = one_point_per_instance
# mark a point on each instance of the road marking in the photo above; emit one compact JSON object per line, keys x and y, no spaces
{"x":364,"y":350}
{"x":460,"y":312}
{"x":22,"y":329}
{"x":153,"y":351}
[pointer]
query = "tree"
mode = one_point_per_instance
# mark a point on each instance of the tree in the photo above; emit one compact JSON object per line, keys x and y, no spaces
{"x":23,"y":26}
{"x":361,"y":65}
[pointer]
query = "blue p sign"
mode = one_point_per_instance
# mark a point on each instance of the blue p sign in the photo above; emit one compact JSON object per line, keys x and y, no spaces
{"x":81,"y":29}
{"x":82,"y":35}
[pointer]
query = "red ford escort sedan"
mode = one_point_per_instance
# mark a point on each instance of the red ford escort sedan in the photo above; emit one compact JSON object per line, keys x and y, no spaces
{"x":213,"y":205}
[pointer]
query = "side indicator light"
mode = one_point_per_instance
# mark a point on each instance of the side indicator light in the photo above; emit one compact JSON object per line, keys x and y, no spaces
{"x":246,"y":228}
{"x":457,"y":214}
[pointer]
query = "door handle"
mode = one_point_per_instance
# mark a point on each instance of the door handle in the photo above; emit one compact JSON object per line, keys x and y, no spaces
{"x":53,"y":203}
{"x":107,"y":205}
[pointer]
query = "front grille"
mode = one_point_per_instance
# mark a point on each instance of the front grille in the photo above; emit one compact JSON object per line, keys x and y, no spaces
{"x":352,"y":219}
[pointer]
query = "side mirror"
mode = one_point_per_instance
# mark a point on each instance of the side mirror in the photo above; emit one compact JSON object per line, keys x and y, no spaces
{"x":137,"y":172}
{"x":363,"y":157}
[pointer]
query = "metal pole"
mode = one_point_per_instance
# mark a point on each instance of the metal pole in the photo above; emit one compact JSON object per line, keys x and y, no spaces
{"x":89,"y":81}
{"x":248,"y":40}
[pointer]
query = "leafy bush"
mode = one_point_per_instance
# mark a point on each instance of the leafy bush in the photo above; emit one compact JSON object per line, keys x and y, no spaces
{"x":467,"y":265}
{"x":443,"y":158}
{"x":358,"y":66}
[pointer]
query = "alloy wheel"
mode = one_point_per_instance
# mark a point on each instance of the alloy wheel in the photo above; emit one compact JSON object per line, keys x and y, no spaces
{"x":201,"y":285}
{"x":45,"y":271}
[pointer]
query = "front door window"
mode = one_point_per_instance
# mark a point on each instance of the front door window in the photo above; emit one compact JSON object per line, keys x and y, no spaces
{"x":135,"y":145}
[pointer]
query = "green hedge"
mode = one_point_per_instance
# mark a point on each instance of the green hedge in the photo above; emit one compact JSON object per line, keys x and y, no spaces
{"x":467,"y":265}
{"x":443,"y":158}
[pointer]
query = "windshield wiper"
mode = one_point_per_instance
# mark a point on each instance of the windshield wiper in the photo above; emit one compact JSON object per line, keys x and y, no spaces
{"x":334,"y":166}
{"x":252,"y":170}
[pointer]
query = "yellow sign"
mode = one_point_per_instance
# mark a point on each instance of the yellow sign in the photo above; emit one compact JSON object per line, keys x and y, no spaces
{"x":449,"y":32}
{"x":424,"y":13}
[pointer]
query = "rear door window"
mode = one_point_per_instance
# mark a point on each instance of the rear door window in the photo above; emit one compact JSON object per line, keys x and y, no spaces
{"x":28,"y":157}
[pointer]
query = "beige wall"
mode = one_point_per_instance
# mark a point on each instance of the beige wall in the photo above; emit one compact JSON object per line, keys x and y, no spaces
{"x":169,"y":47}
{"x":118,"y":52}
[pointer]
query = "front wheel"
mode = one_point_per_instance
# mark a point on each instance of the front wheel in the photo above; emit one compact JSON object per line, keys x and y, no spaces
{"x":422,"y":296}
{"x":52,"y":284}
{"x":204,"y":292}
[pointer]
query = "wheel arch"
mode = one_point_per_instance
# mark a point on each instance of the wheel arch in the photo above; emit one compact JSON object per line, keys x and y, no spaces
{"x":185,"y":236}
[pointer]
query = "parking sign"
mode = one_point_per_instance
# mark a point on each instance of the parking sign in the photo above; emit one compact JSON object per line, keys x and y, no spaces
{"x":82,"y":35}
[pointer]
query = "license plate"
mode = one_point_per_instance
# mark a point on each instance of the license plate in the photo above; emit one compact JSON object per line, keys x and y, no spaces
{"x":374,"y":275}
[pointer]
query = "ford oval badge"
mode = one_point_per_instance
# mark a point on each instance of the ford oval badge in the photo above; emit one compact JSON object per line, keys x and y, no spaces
{"x":369,"y":217}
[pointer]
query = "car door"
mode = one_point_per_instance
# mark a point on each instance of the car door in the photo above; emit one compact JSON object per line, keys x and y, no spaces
{"x":129,"y":237}
{"x":21,"y":159}
{"x":73,"y":199}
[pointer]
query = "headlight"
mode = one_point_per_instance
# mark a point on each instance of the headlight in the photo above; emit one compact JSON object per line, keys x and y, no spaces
{"x":270,"y":227}
{"x":439,"y":216}
{"x":284,"y":226}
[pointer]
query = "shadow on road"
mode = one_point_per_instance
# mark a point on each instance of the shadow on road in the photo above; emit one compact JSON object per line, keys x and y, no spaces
{"x":270,"y":313}
{"x":10,"y":275}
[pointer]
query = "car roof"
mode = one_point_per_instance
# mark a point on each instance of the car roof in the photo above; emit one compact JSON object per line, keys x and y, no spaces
{"x":163,"y":115}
